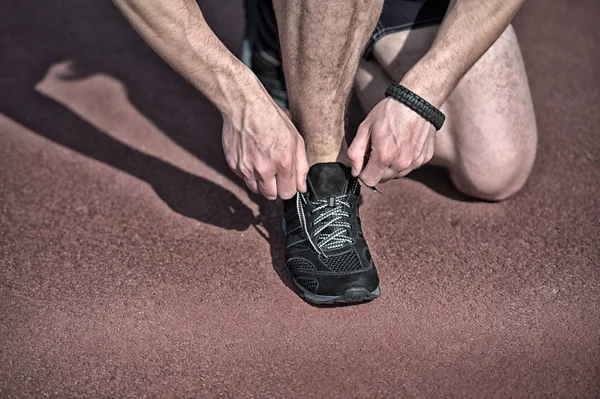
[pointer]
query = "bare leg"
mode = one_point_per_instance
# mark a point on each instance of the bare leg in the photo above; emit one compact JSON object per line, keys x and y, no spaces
{"x":489,"y":140}
{"x":321,"y":43}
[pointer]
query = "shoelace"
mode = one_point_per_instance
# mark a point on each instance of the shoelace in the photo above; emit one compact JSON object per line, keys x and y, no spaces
{"x":335,"y":218}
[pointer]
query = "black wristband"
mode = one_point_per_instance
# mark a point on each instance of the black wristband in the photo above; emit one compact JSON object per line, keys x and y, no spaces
{"x":417,"y":104}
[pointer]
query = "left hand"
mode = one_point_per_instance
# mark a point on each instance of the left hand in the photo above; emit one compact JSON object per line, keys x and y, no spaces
{"x":400,"y":141}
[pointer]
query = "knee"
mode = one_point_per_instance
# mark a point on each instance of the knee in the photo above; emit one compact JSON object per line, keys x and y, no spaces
{"x":495,"y":176}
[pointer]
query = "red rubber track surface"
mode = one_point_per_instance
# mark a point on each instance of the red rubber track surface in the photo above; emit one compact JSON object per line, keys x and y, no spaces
{"x":132,"y":262}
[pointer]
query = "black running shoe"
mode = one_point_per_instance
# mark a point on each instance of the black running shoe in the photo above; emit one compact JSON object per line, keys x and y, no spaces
{"x":325,"y":248}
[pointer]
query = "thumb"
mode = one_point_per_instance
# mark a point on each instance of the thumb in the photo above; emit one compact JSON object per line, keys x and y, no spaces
{"x":358,"y":149}
{"x":301,"y":165}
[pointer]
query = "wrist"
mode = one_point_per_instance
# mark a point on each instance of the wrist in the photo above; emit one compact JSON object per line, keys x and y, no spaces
{"x":417,"y":103}
{"x":432,"y":82}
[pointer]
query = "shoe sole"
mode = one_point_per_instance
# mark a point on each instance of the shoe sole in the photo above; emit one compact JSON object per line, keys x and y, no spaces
{"x":351,"y":295}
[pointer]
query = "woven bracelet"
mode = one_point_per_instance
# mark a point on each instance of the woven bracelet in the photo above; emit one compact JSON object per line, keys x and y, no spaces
{"x":417,"y":104}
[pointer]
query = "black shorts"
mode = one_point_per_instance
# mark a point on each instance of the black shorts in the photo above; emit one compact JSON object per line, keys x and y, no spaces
{"x":399,"y":15}
{"x":262,"y":41}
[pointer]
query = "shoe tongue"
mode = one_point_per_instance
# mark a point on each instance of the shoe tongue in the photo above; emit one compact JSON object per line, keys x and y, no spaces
{"x":329,"y":179}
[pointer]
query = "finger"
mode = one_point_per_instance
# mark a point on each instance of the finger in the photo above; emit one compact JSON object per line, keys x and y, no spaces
{"x":430,"y":149}
{"x":389,"y":174}
{"x":286,"y":184}
{"x":358,"y":149}
{"x":252,"y":185}
{"x":238,"y":173}
{"x":424,"y":157}
{"x":233,"y":165}
{"x":373,"y":172}
{"x":403,"y":173}
{"x":301,"y":166}
{"x":268,"y":187}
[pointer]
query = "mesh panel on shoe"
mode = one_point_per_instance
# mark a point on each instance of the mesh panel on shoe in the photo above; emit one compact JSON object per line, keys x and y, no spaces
{"x":310,"y":284}
{"x":295,"y":264}
{"x":346,"y":262}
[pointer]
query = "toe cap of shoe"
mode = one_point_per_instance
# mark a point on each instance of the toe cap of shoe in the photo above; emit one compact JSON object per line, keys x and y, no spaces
{"x":330,"y":284}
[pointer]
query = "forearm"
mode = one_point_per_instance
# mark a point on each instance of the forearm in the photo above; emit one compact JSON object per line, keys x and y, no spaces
{"x":177,"y":31}
{"x":468,"y":30}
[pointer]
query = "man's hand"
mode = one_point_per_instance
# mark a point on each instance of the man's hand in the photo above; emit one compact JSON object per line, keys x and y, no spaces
{"x":263,"y":147}
{"x":400,"y":140}
{"x":261,"y":143}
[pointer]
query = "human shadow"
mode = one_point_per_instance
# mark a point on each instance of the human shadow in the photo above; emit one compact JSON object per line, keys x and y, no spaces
{"x":96,"y":39}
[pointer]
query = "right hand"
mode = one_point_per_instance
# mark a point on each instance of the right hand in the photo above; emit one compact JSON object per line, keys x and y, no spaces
{"x":264,"y":148}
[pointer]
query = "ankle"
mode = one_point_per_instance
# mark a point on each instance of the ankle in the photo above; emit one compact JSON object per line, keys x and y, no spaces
{"x":340,"y":155}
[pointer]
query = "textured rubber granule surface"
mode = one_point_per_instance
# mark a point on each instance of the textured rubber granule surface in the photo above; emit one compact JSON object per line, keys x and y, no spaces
{"x":133,"y":263}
